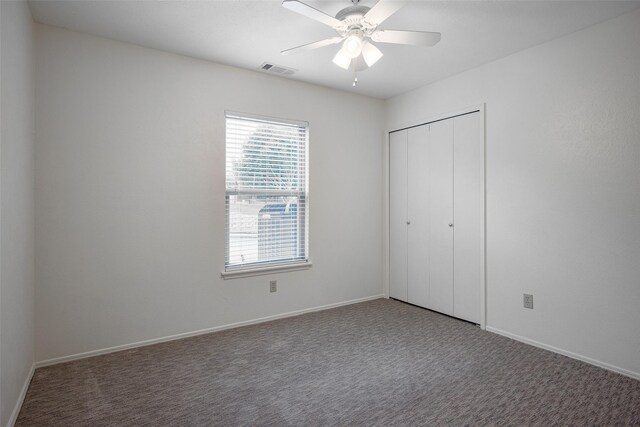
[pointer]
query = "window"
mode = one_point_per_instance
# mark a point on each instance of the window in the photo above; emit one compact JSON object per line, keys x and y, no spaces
{"x":266,"y":193}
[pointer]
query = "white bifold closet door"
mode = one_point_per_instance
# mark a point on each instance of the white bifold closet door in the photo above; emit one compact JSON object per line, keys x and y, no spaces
{"x":436,"y":214}
{"x":418,"y":216}
{"x":409,"y":226}
{"x":468,"y":216}
{"x":439,"y":163}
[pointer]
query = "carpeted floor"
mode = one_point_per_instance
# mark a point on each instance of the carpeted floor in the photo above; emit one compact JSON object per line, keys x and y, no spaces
{"x":375,"y":363}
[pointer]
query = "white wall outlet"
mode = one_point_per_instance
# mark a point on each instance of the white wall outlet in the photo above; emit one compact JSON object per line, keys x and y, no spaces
{"x":527,"y":301}
{"x":273,"y":286}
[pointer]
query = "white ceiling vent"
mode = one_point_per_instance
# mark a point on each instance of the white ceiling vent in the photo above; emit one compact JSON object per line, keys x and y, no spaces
{"x":277,"y":69}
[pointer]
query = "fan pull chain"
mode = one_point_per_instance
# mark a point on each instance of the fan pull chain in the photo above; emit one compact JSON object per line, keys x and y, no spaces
{"x":355,"y":79}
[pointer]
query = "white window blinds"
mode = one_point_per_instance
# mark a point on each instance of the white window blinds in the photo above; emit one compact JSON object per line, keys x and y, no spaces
{"x":266,"y":192}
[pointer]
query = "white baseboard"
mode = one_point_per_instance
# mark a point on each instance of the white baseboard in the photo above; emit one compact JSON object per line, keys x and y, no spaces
{"x":23,"y":393}
{"x":107,"y":350}
{"x":626,"y":372}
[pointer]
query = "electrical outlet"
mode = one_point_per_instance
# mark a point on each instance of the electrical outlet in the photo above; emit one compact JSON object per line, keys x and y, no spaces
{"x":273,"y":286}
{"x":527,"y":301}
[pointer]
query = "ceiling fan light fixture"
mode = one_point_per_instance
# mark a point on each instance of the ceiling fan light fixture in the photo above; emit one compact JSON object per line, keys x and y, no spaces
{"x":370,"y":53}
{"x":356,"y":26}
{"x":342,"y":60}
{"x":352,"y":45}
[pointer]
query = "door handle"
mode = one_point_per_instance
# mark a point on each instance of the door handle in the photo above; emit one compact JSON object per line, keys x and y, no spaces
{"x":408,"y":222}
{"x":450,"y":224}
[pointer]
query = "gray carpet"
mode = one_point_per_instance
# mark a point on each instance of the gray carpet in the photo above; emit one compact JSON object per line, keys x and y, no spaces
{"x":376,"y":363}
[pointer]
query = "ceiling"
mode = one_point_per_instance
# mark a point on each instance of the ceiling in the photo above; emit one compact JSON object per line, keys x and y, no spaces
{"x":245,"y":33}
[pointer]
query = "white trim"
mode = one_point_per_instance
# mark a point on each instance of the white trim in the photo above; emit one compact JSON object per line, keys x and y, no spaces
{"x":259,"y":271}
{"x":613,"y":368}
{"x":437,"y":117}
{"x":386,"y":226}
{"x":483,"y":264}
{"x":63,"y":359}
{"x":266,"y":119}
{"x":23,"y":393}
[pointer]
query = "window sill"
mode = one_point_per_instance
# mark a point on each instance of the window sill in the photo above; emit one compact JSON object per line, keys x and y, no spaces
{"x":260,"y":271}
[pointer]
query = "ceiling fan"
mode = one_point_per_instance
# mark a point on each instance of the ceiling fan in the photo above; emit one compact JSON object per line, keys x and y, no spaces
{"x":357,"y":28}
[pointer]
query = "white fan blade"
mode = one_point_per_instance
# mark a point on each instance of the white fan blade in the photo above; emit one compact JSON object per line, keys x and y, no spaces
{"x":416,"y":38}
{"x":314,"y":45}
{"x":382,"y":10}
{"x":310,"y":12}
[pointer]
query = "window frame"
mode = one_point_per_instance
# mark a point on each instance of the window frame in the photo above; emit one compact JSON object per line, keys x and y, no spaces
{"x":266,"y":267}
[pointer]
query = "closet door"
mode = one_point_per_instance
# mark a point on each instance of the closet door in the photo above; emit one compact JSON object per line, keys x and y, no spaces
{"x":398,"y":215}
{"x":440,"y":167}
{"x":468,"y":215}
{"x":418,"y":216}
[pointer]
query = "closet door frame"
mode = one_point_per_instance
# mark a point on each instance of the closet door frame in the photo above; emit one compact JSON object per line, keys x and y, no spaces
{"x":478,"y":109}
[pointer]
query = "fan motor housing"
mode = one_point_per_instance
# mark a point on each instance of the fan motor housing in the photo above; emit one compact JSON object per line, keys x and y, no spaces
{"x":352,"y":14}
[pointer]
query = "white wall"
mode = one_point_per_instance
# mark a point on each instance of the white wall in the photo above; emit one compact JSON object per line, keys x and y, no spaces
{"x":17,"y":204}
{"x":563,"y":186}
{"x":130,"y":194}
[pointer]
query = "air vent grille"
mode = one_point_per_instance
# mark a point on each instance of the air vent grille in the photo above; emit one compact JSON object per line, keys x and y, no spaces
{"x":276,"y":69}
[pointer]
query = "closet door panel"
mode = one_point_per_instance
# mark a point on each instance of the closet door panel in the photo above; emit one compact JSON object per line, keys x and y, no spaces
{"x":418,"y":216}
{"x":398,"y":215}
{"x":440,"y":166}
{"x":468,"y":216}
